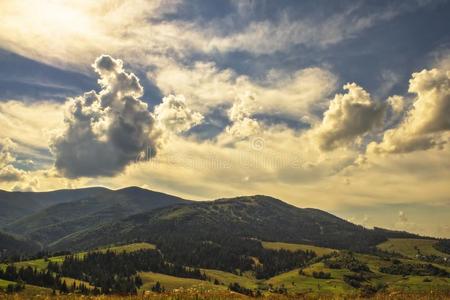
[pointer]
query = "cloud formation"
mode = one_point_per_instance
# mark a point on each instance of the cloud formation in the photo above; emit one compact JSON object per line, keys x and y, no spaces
{"x":21,"y":179}
{"x":174,"y":115}
{"x":5,"y":155}
{"x":105,"y":131}
{"x":8,"y":172}
{"x":207,"y":87}
{"x":427,"y":123}
{"x":349,"y":116}
{"x":240,"y":114}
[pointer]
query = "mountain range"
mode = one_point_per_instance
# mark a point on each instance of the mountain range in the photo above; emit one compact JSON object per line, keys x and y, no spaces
{"x":86,"y":218}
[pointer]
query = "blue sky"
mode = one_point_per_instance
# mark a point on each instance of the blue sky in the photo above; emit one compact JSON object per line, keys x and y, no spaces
{"x":296,"y":99}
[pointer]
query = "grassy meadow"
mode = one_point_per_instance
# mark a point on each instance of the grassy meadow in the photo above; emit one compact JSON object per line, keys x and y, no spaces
{"x":411,"y":247}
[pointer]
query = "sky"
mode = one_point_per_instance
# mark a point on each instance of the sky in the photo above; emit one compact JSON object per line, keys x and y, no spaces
{"x":337,"y":105}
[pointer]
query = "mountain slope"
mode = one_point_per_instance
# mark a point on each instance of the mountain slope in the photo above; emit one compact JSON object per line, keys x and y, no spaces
{"x":258,"y":217}
{"x":60,"y":220}
{"x":14,"y":205}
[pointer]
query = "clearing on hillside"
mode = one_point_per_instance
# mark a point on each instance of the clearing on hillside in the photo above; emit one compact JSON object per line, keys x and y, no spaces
{"x":411,"y":247}
{"x":294,"y":247}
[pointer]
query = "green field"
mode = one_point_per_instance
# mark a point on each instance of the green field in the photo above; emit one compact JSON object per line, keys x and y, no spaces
{"x":5,"y":283}
{"x":302,"y":284}
{"x":227,"y":278}
{"x":149,"y":279}
{"x":294,"y":247}
{"x":411,"y":247}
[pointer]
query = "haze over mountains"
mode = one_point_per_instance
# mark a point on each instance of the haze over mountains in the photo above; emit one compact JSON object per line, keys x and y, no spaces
{"x":86,"y":218}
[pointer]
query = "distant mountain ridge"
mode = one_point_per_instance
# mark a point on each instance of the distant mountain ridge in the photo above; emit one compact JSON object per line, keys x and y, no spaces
{"x":81,"y":210}
{"x":14,"y":205}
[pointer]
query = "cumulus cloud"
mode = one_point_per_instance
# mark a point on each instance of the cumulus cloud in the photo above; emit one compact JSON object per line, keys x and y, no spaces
{"x":397,"y":104}
{"x":30,"y":185}
{"x":349,"y":116}
{"x":8,"y":172}
{"x":427,"y":123}
{"x":6,"y":156}
{"x":105,"y":131}
{"x":207,"y":87}
{"x":174,"y":115}
{"x":240,"y":114}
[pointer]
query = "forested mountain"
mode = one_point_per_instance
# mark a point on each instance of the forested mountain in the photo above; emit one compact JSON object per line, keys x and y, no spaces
{"x":63,"y":219}
{"x":227,"y":220}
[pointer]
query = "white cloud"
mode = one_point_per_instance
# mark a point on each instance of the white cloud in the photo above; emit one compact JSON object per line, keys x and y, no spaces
{"x":427,"y":123}
{"x":397,"y":104}
{"x":6,"y":156}
{"x":104,"y":132}
{"x":242,"y":124}
{"x":208,"y":87}
{"x":174,"y":115}
{"x":9,"y":173}
{"x":349,"y":116}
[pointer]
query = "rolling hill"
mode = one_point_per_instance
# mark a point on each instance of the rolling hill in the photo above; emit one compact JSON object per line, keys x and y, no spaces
{"x":63,"y":219}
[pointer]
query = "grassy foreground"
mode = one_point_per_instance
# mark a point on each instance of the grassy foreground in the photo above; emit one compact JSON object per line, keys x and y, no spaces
{"x":221,"y":295}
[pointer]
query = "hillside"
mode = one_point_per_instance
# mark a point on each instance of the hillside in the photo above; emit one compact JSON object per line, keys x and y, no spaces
{"x":255,"y":217}
{"x":63,"y":219}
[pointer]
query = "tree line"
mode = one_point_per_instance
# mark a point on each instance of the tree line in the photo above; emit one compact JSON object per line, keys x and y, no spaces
{"x":118,"y":272}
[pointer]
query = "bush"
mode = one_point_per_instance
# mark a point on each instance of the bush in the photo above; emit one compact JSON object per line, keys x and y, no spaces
{"x":321,"y":275}
{"x":158,"y":288}
{"x":236,"y":287}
